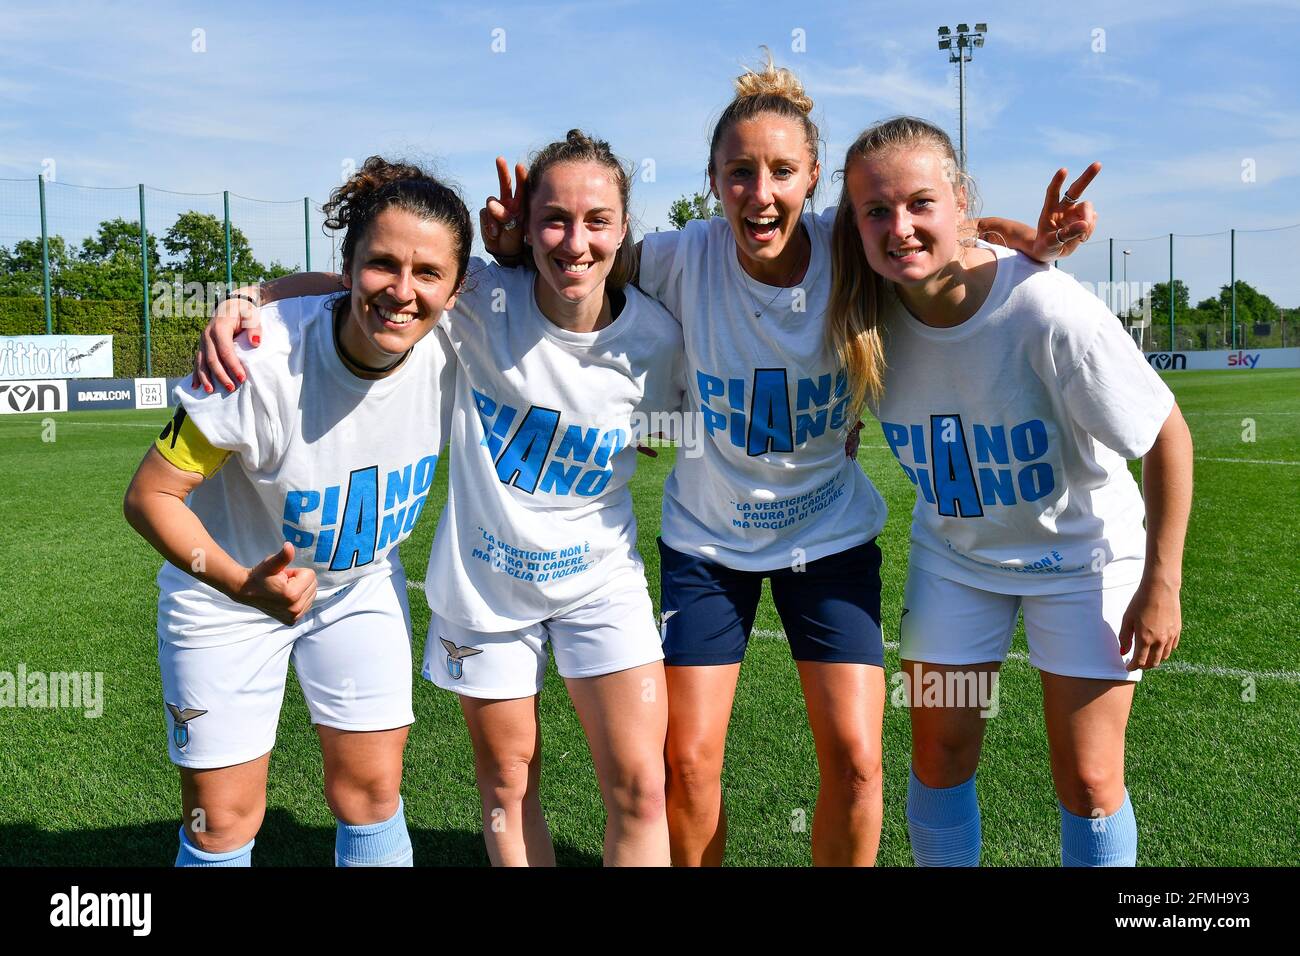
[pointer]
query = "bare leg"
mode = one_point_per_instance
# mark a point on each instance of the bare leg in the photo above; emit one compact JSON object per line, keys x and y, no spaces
{"x":1086,"y":720}
{"x":625,"y":715}
{"x":507,"y":738}
{"x":363,"y":772}
{"x":846,"y":706}
{"x":699,"y":711}
{"x":224,"y":806}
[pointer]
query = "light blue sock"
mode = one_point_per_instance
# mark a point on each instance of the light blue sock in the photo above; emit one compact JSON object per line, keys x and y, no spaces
{"x":386,"y":843}
{"x":190,"y":855}
{"x":1100,"y":841}
{"x":943,"y":823}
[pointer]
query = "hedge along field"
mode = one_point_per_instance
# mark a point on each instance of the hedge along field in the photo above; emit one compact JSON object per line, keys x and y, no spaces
{"x":172,"y":336}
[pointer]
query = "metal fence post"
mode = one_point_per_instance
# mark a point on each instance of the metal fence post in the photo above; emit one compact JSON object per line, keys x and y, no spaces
{"x":1232,"y":280}
{"x":306,"y":228}
{"x":45,"y":259}
{"x":1171,"y":293}
{"x":230,"y":281}
{"x":144,"y":271}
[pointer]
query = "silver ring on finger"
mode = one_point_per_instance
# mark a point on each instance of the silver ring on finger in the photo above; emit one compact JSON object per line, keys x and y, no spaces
{"x":1059,"y":240}
{"x":1068,"y":199}
{"x":512,"y":224}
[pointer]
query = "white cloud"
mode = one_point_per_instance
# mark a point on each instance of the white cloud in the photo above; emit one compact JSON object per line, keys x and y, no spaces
{"x":1067,"y":144}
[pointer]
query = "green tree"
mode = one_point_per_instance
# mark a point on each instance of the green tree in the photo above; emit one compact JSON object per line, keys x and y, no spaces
{"x":697,"y":206}
{"x":118,"y":238}
{"x":1159,"y":299}
{"x":108,"y":264}
{"x":196,"y":243}
{"x":20,"y":269}
{"x":1252,"y":305}
{"x":276,"y":269}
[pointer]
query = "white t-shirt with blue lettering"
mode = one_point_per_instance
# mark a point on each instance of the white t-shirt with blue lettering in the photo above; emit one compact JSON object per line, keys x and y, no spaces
{"x":337,"y":465}
{"x":771,"y":487}
{"x":539,"y":519}
{"x":1015,"y":427}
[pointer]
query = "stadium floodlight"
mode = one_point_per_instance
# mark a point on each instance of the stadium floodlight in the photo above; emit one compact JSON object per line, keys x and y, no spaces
{"x":959,"y":49}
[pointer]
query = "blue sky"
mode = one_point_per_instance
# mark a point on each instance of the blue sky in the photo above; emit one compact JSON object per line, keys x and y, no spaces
{"x":1180,"y":101}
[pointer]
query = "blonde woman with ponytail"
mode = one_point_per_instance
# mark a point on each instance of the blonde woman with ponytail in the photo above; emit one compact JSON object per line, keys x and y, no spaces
{"x":1011,"y":397}
{"x":772,"y":496}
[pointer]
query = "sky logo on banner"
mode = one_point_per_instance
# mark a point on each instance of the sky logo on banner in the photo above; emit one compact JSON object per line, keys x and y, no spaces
{"x":351,"y":536}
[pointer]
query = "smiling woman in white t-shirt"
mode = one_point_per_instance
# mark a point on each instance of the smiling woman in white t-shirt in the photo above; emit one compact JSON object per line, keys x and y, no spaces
{"x":279,"y":508}
{"x":1011,"y":397}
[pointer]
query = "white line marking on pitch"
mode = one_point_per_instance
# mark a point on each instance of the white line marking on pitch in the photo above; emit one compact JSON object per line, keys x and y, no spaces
{"x":1181,"y":667}
{"x":1248,"y":461}
{"x":65,"y":421}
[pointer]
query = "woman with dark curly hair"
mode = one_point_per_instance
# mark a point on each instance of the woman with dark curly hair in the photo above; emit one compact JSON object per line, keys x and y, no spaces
{"x":279,"y":507}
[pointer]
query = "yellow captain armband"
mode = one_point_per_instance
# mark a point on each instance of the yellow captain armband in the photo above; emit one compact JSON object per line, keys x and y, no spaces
{"x":182,"y":444}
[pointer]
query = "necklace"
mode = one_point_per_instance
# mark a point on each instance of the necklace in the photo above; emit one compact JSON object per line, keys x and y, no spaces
{"x":339,"y":318}
{"x":760,"y":309}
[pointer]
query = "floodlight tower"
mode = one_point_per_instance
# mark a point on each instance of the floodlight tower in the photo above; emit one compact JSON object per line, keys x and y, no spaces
{"x":960,"y":46}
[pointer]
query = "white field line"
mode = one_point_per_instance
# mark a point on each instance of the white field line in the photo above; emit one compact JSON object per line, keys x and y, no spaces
{"x":1247,"y":461}
{"x":65,"y":421}
{"x":1181,"y":667}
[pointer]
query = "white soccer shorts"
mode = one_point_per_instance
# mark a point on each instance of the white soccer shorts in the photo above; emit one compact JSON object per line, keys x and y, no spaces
{"x":1074,"y":634}
{"x":224,"y":667}
{"x":611,"y":633}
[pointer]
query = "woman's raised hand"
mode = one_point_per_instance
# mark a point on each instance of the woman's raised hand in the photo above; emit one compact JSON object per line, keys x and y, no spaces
{"x":1065,"y":223}
{"x":501,"y":221}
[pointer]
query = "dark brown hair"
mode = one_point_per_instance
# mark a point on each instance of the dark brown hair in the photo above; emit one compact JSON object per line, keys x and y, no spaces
{"x":578,"y":147}
{"x":380,"y":185}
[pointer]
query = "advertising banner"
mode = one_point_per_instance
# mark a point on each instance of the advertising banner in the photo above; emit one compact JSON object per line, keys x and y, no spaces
{"x":1236,"y":359}
{"x":101,"y":393}
{"x":29,"y":357}
{"x":152,"y":393}
{"x":35,"y":397}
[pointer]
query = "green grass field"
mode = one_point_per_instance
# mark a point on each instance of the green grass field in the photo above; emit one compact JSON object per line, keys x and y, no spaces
{"x":1214,"y":741}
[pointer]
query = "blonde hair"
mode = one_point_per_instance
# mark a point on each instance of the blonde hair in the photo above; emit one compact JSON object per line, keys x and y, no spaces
{"x":773,"y":90}
{"x":853,"y":312}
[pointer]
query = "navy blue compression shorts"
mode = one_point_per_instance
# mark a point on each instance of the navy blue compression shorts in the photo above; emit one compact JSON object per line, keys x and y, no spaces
{"x":830,"y":609}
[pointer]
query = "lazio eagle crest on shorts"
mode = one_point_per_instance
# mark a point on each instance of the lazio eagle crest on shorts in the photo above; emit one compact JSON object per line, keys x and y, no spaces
{"x":456,"y":656}
{"x":181,"y":719}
